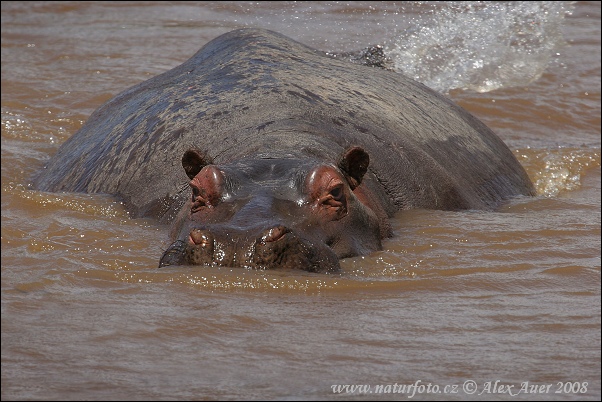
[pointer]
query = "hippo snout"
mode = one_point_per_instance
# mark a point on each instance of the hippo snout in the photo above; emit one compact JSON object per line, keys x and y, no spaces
{"x":274,"y":234}
{"x":202,"y":238}
{"x":277,"y":247}
{"x":280,"y":247}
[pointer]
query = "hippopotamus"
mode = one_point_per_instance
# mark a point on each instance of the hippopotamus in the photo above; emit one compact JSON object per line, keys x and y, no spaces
{"x":261,"y":152}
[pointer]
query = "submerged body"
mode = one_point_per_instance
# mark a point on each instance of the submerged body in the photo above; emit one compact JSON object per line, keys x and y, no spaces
{"x":262,"y":152}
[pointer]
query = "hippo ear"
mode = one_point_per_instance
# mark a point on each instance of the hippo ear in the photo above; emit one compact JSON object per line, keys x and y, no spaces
{"x":193,"y":161}
{"x":354,"y":163}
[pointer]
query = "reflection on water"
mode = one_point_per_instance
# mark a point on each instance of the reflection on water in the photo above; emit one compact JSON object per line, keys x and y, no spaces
{"x":511,"y":295}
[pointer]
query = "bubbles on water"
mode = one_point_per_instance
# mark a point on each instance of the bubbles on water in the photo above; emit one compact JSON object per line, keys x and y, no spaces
{"x":480,"y":46}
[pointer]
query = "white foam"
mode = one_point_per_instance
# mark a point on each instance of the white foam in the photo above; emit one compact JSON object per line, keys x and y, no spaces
{"x":480,"y":46}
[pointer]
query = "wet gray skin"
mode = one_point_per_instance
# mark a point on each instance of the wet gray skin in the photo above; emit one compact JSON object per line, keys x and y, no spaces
{"x":271,"y":213}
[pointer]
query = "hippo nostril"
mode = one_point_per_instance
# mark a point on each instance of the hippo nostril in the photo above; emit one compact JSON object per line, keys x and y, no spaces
{"x":201,"y":247}
{"x":201,"y":238}
{"x":274,"y":234}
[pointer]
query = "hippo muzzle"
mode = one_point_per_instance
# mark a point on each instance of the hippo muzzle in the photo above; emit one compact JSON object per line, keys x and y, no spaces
{"x":276,"y":248}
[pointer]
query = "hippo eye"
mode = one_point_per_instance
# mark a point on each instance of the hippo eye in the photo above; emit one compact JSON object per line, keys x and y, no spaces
{"x":199,"y":197}
{"x":337,"y":192}
{"x":207,"y":187}
{"x":195,"y":192}
{"x":335,"y":200}
{"x":328,"y":191}
{"x":197,"y":200}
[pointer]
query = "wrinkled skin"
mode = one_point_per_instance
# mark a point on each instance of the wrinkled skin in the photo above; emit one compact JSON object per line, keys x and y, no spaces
{"x":262,"y":152}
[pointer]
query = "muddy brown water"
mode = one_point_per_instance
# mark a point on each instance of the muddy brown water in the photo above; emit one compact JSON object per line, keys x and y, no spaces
{"x":456,"y":302}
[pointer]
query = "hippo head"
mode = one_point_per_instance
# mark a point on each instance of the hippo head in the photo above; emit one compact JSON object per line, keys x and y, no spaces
{"x":274,"y":213}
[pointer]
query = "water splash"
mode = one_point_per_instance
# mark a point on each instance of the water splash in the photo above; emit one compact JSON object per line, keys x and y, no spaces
{"x":480,"y":46}
{"x":557,"y":170}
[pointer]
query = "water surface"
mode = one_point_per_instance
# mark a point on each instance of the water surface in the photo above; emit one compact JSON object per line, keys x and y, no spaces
{"x":510,"y":296}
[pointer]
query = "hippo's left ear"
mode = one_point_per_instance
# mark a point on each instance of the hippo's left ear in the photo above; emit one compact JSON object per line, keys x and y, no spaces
{"x":193,"y":161}
{"x":354,"y":164}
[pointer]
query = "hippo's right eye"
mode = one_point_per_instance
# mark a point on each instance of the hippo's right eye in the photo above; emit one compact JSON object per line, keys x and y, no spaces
{"x":207,"y":188}
{"x":198,"y":201}
{"x":337,"y":192}
{"x":328,"y":192}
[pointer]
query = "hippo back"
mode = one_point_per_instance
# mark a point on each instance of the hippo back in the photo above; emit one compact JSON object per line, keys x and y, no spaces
{"x":256,"y":93}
